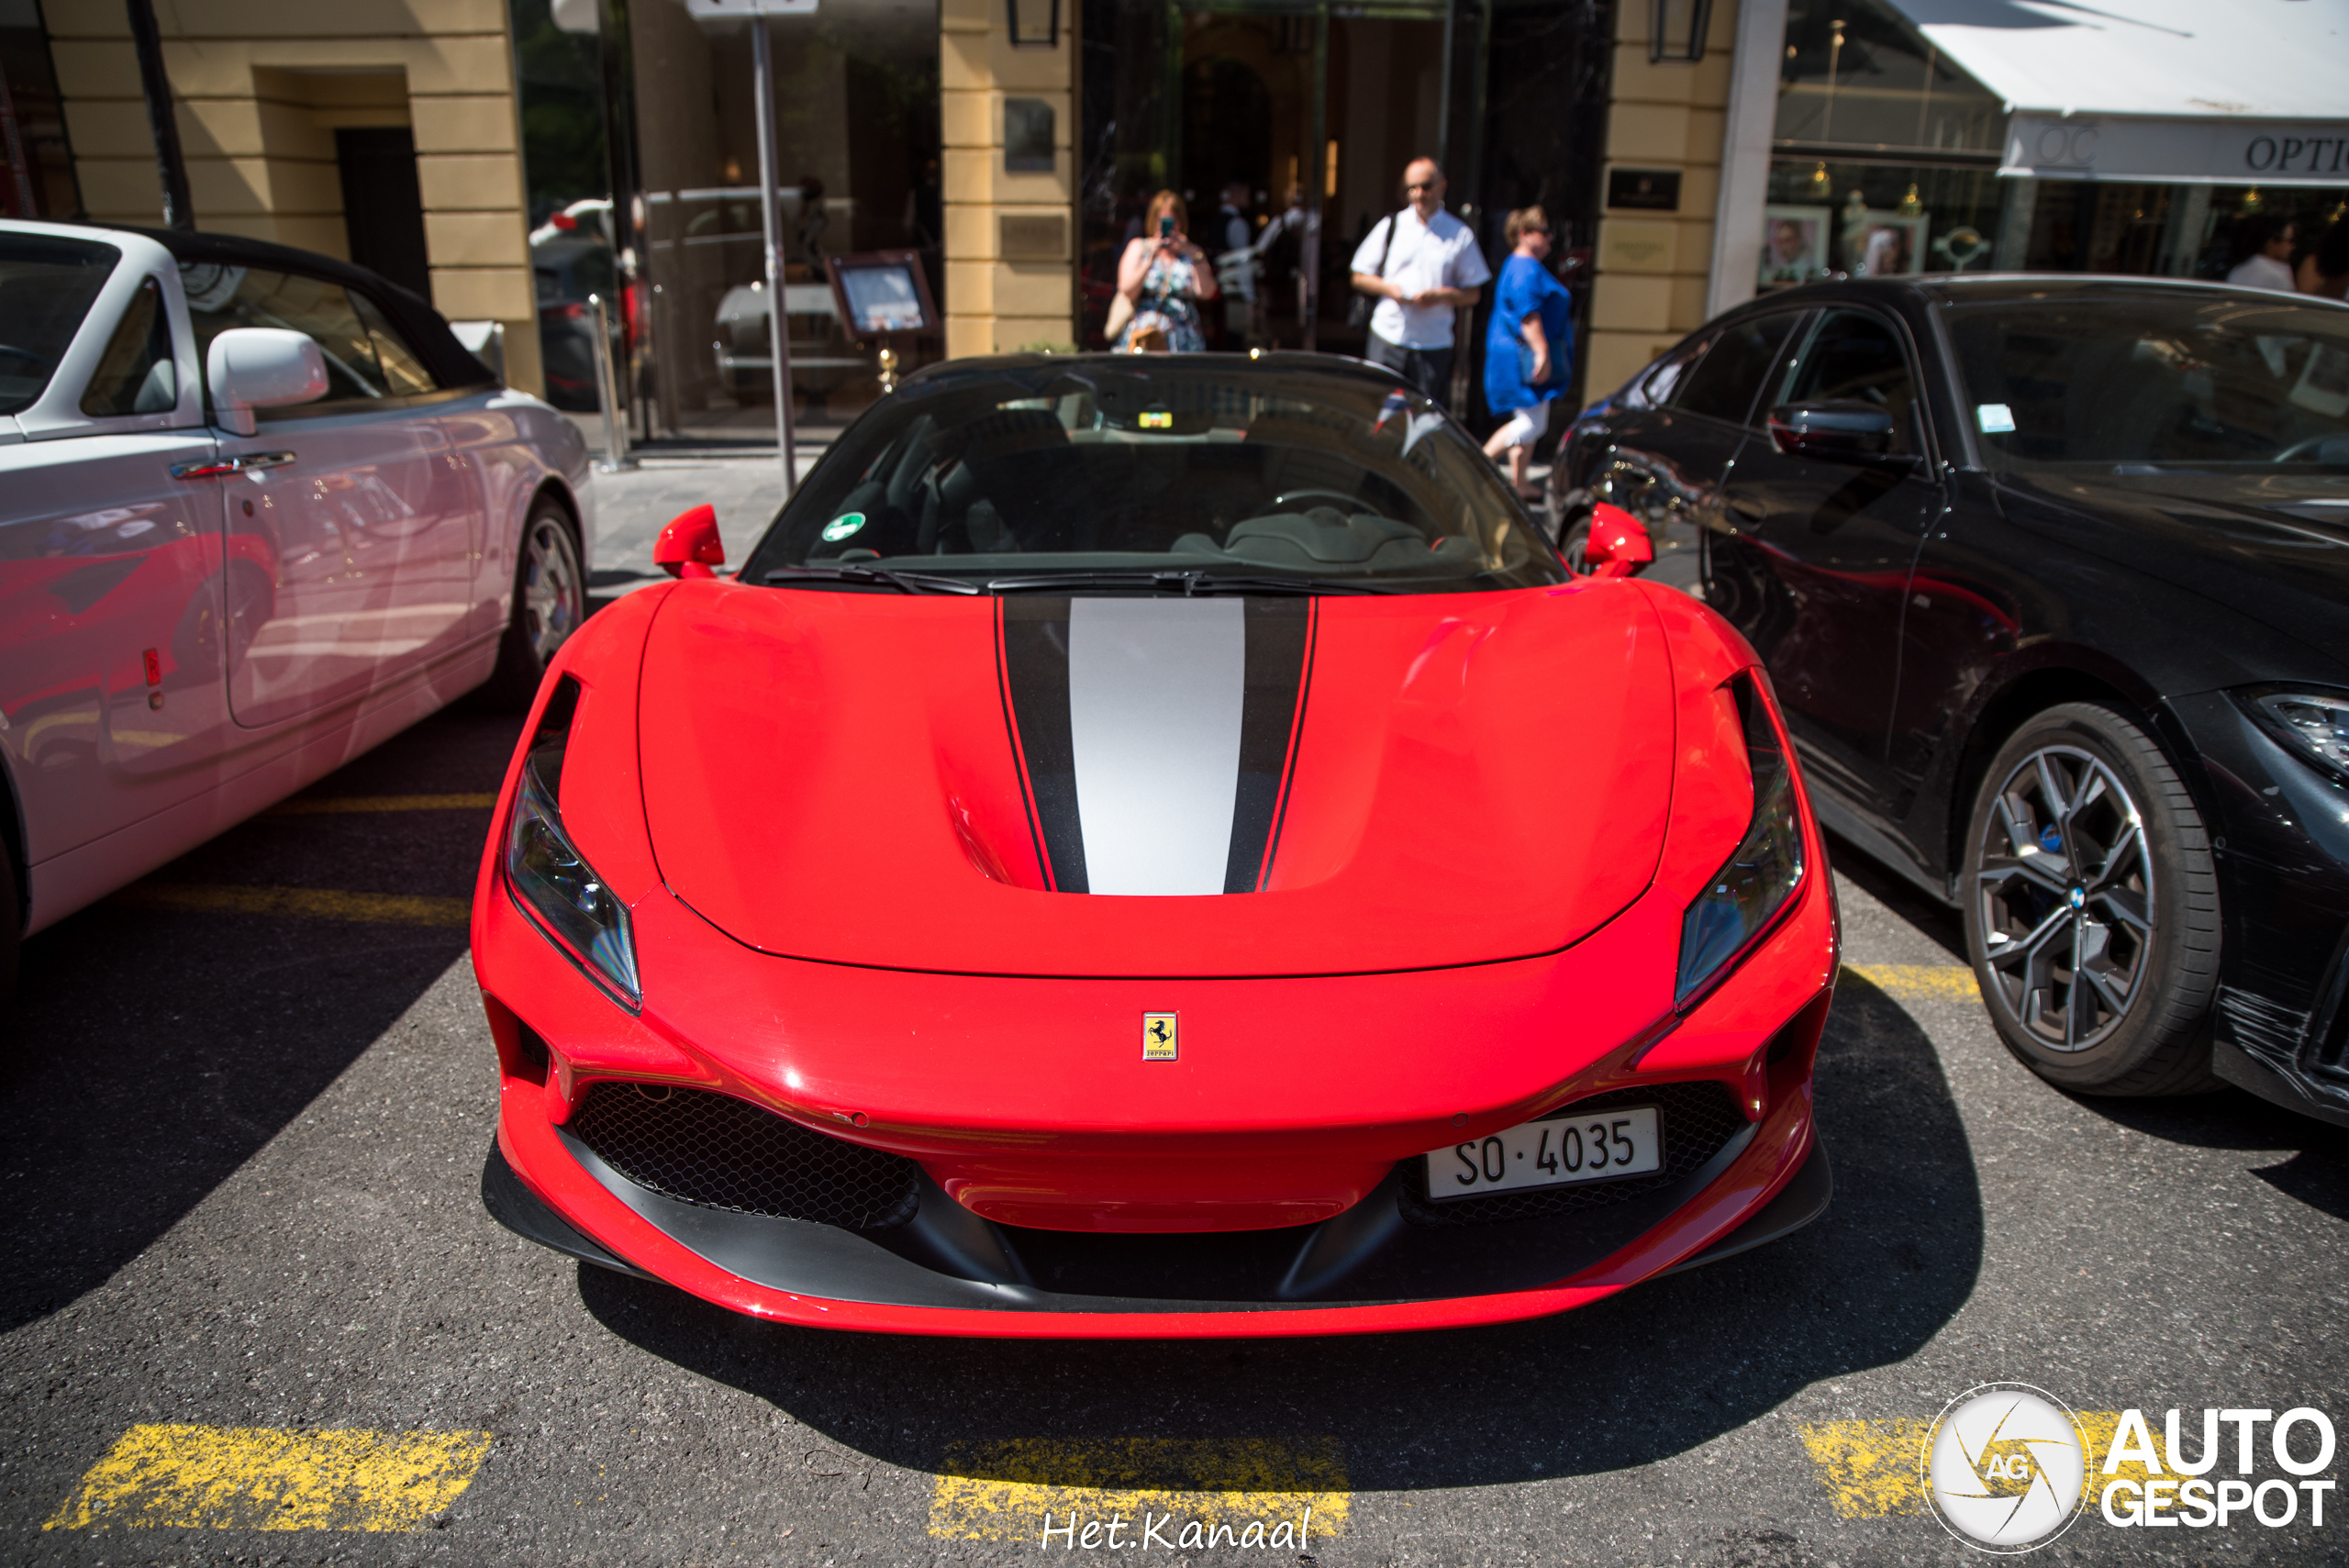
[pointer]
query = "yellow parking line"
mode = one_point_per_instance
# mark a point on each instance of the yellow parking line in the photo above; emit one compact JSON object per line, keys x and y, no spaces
{"x":188,"y":1477}
{"x":335,"y":805}
{"x":1182,"y":1493}
{"x":300,"y":903}
{"x":1872,"y":1470}
{"x":1920,"y":982}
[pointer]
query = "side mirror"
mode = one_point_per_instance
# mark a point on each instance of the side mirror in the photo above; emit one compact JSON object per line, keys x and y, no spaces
{"x":261,"y":367}
{"x":1844,"y":430}
{"x":689,"y":546}
{"x":1618,"y":545}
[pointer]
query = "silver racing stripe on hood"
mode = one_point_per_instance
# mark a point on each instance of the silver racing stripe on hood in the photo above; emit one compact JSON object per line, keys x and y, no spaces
{"x":1155,"y":695}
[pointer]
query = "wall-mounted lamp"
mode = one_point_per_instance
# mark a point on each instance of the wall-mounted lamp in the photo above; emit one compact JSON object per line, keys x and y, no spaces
{"x":1036,"y":24}
{"x":1676,"y":30}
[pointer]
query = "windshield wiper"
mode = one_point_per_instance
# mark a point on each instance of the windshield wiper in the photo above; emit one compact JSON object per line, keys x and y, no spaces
{"x":1189,"y":584}
{"x":902,"y":581}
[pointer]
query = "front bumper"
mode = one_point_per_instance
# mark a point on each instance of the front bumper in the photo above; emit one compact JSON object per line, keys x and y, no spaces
{"x":1371,"y":1267}
{"x":2281,"y":834}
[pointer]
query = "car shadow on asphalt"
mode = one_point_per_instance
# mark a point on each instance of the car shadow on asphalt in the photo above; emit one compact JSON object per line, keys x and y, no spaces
{"x":155,"y":1050}
{"x":1655,"y":1370}
{"x":2316,"y":1173}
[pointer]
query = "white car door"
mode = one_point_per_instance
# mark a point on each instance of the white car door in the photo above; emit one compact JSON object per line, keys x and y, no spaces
{"x":350,"y":524}
{"x":112,"y":696}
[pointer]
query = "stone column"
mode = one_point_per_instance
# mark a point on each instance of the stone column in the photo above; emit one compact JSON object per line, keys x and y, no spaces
{"x":1010,"y":234}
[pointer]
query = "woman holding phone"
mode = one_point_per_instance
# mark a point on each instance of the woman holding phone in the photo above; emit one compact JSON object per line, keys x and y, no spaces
{"x":1165,"y":276}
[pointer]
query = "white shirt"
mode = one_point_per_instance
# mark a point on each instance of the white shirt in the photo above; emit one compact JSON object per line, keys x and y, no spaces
{"x":2263,"y":273}
{"x":1426,"y":255}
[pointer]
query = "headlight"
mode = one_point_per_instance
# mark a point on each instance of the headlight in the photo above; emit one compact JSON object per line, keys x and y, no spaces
{"x":1761,"y":874}
{"x":2318,"y":725}
{"x":551,"y":878}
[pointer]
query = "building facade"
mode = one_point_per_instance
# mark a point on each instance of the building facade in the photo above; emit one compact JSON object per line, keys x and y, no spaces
{"x":511,"y":158}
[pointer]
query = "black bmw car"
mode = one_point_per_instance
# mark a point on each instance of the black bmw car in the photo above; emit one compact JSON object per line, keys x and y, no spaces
{"x":2053,"y":576}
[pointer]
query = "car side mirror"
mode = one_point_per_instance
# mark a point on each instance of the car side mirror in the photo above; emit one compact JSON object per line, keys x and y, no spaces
{"x":1841,"y":430}
{"x":261,"y":367}
{"x":1618,"y":544}
{"x":689,"y":546}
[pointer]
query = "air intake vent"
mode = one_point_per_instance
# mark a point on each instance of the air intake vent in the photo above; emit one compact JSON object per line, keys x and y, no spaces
{"x":1694,"y":1120}
{"x":721,"y":1152}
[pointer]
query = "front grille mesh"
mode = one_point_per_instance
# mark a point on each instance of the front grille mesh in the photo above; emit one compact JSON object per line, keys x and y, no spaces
{"x":1693,"y":1121}
{"x":714,"y":1149}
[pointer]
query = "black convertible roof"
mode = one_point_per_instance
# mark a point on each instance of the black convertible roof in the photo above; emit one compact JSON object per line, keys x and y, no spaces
{"x":424,"y":327}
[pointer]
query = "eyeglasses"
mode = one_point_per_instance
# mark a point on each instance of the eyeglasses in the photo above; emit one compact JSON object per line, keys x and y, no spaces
{"x":1410,"y":186}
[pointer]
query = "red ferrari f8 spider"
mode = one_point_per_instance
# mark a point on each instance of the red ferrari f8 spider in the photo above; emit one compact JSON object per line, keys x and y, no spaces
{"x":1155,"y":846}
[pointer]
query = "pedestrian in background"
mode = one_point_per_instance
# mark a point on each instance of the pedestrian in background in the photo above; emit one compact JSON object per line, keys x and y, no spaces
{"x":1422,"y":265}
{"x":2320,"y":263}
{"x":1166,"y":277}
{"x":2264,"y":253}
{"x":1235,"y":264}
{"x":1280,"y":251}
{"x":1528,"y":347}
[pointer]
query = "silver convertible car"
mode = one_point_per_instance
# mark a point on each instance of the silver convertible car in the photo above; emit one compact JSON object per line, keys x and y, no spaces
{"x":259,"y":511}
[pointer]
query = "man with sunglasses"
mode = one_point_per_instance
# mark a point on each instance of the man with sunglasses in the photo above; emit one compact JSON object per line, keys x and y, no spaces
{"x":1421,"y":265}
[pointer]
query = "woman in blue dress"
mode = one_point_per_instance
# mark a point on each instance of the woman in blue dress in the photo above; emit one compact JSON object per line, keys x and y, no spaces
{"x":1529,"y":347}
{"x":1166,"y":276}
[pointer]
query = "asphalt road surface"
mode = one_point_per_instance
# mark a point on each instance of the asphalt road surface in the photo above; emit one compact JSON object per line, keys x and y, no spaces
{"x":252,"y":1312}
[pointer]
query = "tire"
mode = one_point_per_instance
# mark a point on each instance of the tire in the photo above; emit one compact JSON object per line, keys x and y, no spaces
{"x":1576,"y":546}
{"x":2091,"y":906}
{"x":11,"y":925}
{"x":550,"y":601}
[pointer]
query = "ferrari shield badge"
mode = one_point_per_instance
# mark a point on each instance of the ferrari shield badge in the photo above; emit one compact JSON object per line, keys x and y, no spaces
{"x":1158,"y":1037}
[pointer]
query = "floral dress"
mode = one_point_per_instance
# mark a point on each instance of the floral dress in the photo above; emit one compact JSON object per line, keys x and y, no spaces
{"x":1170,"y":302}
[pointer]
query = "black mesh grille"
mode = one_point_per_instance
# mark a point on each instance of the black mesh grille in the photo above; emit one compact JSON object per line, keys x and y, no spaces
{"x":1693,"y":1121}
{"x":722,"y":1152}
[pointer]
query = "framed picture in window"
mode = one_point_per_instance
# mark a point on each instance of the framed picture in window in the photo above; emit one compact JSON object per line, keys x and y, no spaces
{"x":1794,"y":244}
{"x":1887,"y":245}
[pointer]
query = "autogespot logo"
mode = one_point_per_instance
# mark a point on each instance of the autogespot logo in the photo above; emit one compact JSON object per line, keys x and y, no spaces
{"x":2004,"y":1466}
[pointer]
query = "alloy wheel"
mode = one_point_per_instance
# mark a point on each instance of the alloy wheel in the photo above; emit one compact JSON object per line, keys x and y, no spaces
{"x":552,"y":594}
{"x":2065,"y":897}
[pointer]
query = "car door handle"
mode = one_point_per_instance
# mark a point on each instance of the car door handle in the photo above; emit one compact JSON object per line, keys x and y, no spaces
{"x":216,"y":467}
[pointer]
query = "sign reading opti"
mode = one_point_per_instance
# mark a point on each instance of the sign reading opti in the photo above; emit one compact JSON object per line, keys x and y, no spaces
{"x":2189,"y":151}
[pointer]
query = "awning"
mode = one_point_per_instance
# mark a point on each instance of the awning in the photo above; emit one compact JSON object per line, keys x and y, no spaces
{"x":2222,"y":92}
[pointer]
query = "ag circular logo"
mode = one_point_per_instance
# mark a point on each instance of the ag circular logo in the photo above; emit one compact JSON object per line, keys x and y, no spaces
{"x":843,"y":527}
{"x":2004,"y":1467}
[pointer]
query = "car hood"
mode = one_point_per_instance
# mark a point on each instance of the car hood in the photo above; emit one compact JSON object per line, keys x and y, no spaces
{"x":2271,"y":548}
{"x":1156,"y":786}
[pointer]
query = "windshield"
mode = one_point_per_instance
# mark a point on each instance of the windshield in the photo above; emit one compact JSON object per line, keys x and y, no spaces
{"x":2144,"y":382}
{"x":46,"y":287}
{"x":1197,"y":467}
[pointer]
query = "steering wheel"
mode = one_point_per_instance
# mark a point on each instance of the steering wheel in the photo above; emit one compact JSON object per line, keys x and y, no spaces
{"x":1284,"y":502}
{"x":2298,"y":448}
{"x":9,"y":350}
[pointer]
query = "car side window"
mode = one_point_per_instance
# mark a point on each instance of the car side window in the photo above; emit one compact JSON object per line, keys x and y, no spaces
{"x":1742,"y":355}
{"x":1663,"y":378}
{"x":137,"y":374}
{"x":1857,"y":356}
{"x":404,"y":371}
{"x":367,"y":360}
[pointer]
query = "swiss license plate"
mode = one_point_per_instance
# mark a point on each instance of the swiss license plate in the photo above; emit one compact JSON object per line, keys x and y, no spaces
{"x":1589,"y":1147}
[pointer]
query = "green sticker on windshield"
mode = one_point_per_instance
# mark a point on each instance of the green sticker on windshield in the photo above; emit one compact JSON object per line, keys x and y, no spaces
{"x":841,"y":527}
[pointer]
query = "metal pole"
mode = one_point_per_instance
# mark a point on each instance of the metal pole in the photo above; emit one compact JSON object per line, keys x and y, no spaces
{"x":770,"y":229}
{"x":608,"y":391}
{"x":178,"y":211}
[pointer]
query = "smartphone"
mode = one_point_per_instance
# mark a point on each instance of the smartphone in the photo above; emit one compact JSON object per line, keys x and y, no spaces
{"x":1166,"y":225}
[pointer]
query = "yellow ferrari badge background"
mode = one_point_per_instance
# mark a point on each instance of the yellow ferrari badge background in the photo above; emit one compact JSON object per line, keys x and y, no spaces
{"x":1158,"y":1037}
